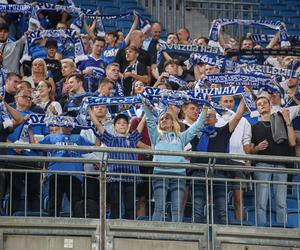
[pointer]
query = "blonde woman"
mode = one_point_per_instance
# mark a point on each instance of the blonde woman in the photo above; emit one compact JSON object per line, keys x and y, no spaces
{"x":167,"y":136}
{"x":39,"y":73}
{"x":68,"y":68}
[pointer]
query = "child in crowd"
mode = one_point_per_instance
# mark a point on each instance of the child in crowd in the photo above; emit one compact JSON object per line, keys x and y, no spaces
{"x":121,"y":185}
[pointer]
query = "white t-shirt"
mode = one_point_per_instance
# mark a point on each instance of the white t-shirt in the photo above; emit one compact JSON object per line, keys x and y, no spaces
{"x":241,"y":135}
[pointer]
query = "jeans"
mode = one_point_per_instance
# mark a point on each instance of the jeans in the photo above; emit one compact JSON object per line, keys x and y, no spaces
{"x":161,"y":186}
{"x":262,"y":193}
{"x":199,"y":198}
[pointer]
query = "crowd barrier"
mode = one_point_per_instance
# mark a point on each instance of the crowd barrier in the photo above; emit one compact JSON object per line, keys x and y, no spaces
{"x":209,"y":182}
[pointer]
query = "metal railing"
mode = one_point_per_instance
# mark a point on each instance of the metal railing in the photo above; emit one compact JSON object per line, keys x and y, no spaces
{"x":210,"y":182}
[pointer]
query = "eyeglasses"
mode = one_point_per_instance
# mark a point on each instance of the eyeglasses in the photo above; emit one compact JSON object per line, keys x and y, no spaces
{"x":211,"y":116}
{"x":28,"y":98}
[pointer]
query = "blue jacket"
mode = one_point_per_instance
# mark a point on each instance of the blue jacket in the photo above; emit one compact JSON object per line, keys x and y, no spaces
{"x":170,"y":142}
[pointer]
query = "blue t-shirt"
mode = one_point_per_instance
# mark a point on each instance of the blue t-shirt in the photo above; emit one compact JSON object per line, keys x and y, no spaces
{"x":66,"y":139}
{"x":109,"y":53}
{"x":91,"y":81}
{"x":17,"y":135}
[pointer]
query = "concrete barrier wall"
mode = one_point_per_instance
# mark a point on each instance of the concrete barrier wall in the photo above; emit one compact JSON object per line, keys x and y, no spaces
{"x":83,"y":234}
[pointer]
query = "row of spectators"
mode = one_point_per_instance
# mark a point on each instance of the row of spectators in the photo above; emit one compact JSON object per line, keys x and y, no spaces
{"x":52,"y":83}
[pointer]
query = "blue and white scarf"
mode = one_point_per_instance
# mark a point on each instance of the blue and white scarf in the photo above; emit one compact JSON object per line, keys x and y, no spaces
{"x":287,"y":73}
{"x":5,"y":117}
{"x":175,"y":80}
{"x":214,"y":60}
{"x":214,"y":33}
{"x":57,"y":35}
{"x":184,"y":49}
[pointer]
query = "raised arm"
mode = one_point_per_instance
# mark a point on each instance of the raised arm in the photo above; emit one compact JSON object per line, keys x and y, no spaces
{"x":96,"y":122}
{"x":237,"y":117}
{"x":193,"y":130}
{"x":18,"y":118}
{"x":89,"y":30}
{"x":133,"y":27}
{"x":151,"y":124}
{"x":141,"y":125}
{"x":290,"y":130}
{"x":274,"y":41}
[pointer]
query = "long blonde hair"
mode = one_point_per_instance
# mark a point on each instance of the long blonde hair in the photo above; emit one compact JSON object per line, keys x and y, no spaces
{"x":175,"y":126}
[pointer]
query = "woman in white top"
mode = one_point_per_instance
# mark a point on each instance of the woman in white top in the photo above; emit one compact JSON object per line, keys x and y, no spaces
{"x":45,"y":99}
{"x":39,"y":73}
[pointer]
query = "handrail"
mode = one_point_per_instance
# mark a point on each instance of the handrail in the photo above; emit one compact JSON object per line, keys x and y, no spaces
{"x":271,"y":158}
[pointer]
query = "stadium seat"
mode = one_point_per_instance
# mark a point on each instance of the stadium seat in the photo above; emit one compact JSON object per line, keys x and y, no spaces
{"x":30,"y":214}
{"x":287,"y":13}
{"x":250,"y":215}
{"x":111,"y":10}
{"x":249,"y":199}
{"x":125,"y":5}
{"x":266,"y":12}
{"x":292,"y":203}
{"x":294,"y":19}
{"x":123,"y":24}
{"x":293,"y":219}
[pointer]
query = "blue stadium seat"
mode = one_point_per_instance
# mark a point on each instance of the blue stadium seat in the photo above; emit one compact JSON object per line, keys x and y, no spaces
{"x":249,"y":199}
{"x":125,"y":5}
{"x":295,"y":20}
{"x":123,"y":24}
{"x":109,"y":23}
{"x":292,"y":203}
{"x":140,"y":10}
{"x":250,"y":215}
{"x":269,"y":2}
{"x":266,"y":12}
{"x":111,"y":10}
{"x":278,"y":7}
{"x":287,"y":13}
{"x":293,"y":219}
{"x":294,"y":32}
{"x":107,"y":4}
{"x":110,"y":28}
{"x":30,"y":213}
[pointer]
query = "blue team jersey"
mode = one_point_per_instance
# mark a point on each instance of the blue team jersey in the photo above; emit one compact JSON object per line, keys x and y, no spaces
{"x":17,"y":135}
{"x":109,"y":53}
{"x":66,"y":139}
{"x":98,"y":73}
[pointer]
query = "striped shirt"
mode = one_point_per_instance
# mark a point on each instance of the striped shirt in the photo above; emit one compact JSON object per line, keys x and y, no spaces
{"x":124,"y":142}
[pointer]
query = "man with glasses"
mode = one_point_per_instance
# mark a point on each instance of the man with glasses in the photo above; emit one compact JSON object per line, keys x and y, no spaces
{"x":23,"y":104}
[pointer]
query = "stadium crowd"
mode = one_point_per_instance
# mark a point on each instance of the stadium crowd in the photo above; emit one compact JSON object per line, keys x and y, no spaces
{"x":116,"y":65}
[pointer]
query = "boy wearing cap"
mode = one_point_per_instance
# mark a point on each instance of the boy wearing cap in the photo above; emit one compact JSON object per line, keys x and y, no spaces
{"x":125,"y":140}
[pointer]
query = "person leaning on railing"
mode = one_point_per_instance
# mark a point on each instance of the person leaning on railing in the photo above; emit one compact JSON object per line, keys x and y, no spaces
{"x":166,"y":136}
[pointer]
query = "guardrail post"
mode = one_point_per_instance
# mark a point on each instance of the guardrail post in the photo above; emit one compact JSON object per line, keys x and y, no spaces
{"x":102,"y":193}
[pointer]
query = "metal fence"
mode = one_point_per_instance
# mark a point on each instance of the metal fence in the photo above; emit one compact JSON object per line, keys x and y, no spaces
{"x":216,"y":191}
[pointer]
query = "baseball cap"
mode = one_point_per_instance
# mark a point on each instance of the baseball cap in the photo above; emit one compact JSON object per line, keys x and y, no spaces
{"x":121,"y":116}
